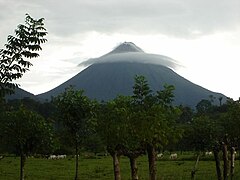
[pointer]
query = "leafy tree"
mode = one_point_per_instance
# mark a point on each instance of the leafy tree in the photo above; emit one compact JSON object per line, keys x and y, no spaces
{"x":131,"y":146}
{"x":231,"y":134}
{"x":156,"y":118}
{"x":204,"y":133}
{"x":74,"y":113}
{"x":27,"y":133}
{"x":118,"y":129}
{"x":204,"y":106}
{"x":94,"y":144}
{"x":111,"y":124}
{"x":24,"y":45}
{"x":186,"y":115}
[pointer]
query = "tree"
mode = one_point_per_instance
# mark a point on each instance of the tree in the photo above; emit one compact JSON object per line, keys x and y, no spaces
{"x":24,"y":45}
{"x":121,"y":135}
{"x":156,"y":118}
{"x":74,"y":113}
{"x":131,"y":146}
{"x":204,"y":106}
{"x":230,"y":123}
{"x":111,"y":123}
{"x":26,"y":132}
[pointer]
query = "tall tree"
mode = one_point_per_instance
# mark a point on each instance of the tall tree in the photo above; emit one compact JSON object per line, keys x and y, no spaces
{"x":74,"y":113}
{"x":156,"y":118}
{"x":24,"y":45}
{"x":26,"y":132}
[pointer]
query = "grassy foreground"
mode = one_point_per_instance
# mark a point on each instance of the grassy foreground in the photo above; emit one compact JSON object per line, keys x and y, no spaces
{"x":101,"y":168}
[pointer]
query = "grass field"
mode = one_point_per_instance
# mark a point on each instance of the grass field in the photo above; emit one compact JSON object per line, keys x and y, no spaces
{"x":101,"y":168}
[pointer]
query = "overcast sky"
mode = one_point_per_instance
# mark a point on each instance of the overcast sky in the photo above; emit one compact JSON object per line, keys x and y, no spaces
{"x":202,"y":35}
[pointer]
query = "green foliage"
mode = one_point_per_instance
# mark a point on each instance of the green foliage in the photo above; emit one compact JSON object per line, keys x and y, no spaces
{"x":155,"y":116}
{"x":165,"y":97}
{"x":24,"y":45}
{"x":231,"y":122}
{"x":205,"y":132}
{"x":74,"y":112}
{"x":204,"y":106}
{"x":26,"y":132}
{"x":186,"y":115}
{"x":142,"y":94}
{"x":46,"y":109}
{"x":113,"y":120}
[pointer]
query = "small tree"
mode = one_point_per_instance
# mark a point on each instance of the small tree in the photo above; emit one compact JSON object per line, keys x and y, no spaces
{"x":230,"y":122}
{"x":74,"y":113}
{"x":111,"y":123}
{"x":24,"y":45}
{"x":26,"y":132}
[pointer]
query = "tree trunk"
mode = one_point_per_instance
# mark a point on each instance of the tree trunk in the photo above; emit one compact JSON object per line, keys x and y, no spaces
{"x":22,"y":165}
{"x":217,"y":160}
{"x":116,"y":166}
{"x":225,"y":161}
{"x":232,"y":162}
{"x":195,"y":168}
{"x":152,"y":162}
{"x":134,"y":169}
{"x":76,"y":163}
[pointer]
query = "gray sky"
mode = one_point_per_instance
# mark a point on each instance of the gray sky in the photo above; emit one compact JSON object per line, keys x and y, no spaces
{"x":203,"y":35}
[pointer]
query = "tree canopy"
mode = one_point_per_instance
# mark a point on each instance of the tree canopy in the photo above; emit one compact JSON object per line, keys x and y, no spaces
{"x":24,"y":45}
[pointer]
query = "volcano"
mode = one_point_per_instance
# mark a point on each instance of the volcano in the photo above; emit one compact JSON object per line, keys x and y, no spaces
{"x":113,"y":74}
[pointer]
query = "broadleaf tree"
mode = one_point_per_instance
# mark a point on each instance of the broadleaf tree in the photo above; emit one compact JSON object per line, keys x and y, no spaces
{"x":75,"y":111}
{"x":26,"y":133}
{"x":156,"y":118}
{"x":19,"y":48}
{"x":111,"y":121}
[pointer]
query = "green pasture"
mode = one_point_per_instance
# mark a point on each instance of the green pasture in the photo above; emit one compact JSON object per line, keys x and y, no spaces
{"x":101,"y":168}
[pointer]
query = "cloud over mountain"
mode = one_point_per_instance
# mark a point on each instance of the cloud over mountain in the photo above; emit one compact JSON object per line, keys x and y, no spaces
{"x":129,"y":52}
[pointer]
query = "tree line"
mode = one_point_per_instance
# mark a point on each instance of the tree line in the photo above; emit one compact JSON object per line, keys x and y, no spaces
{"x":145,"y":123}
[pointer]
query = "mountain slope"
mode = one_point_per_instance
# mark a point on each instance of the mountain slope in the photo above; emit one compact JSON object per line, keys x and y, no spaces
{"x":104,"y":81}
{"x":20,"y":94}
{"x":113,"y":74}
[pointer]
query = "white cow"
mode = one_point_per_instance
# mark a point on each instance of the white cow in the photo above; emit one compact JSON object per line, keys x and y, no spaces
{"x":208,"y":153}
{"x":173,"y":156}
{"x":57,"y":156}
{"x":160,"y":155}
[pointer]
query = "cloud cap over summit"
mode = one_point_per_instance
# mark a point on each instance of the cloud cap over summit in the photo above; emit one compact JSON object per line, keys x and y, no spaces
{"x":129,"y":52}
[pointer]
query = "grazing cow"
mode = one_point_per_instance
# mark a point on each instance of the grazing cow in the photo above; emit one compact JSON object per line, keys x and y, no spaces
{"x":173,"y":156}
{"x":160,"y":155}
{"x":62,"y":156}
{"x":57,"y":156}
{"x":208,"y":153}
